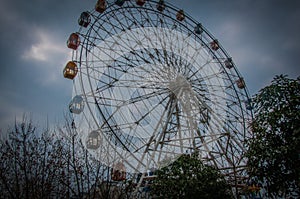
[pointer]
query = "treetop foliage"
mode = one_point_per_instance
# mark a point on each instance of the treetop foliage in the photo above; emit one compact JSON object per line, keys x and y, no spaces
{"x":274,"y":151}
{"x":188,"y":177}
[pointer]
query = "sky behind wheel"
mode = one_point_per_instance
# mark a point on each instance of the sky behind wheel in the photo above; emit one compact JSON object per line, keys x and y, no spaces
{"x":261,"y":36}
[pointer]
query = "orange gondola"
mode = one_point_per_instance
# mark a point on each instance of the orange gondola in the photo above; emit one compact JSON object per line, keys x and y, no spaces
{"x":70,"y":70}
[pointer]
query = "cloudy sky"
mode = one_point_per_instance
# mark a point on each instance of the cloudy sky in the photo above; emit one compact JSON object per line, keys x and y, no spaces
{"x":262,"y":36}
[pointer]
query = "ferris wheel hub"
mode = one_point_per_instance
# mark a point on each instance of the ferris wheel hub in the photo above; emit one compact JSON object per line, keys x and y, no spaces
{"x":179,"y":85}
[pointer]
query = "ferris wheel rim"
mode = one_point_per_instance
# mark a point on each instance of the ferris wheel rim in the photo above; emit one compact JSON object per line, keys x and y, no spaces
{"x":110,"y":9}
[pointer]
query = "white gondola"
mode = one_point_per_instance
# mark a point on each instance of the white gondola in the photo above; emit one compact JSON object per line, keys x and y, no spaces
{"x":93,"y":140}
{"x":76,"y":105}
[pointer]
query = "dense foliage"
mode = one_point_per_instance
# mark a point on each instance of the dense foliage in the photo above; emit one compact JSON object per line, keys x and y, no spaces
{"x":273,"y":154}
{"x":188,"y":177}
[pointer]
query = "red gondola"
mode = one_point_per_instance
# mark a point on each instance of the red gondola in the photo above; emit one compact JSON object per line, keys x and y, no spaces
{"x":180,"y":15}
{"x":240,"y":83}
{"x":140,"y":2}
{"x":73,"y":41}
{"x":100,"y":6}
{"x":118,"y":172}
{"x":214,"y":45}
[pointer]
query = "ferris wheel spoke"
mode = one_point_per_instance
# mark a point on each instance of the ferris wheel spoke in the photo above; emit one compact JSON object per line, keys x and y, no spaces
{"x":161,"y":139}
{"x":142,"y":58}
{"x":205,"y":78}
{"x":215,"y":136}
{"x":229,"y":101}
{"x":152,"y":139}
{"x":149,"y":113}
{"x":118,"y":107}
{"x":110,"y":48}
{"x":122,"y":102}
{"x":157,"y":35}
{"x":130,"y":22}
{"x":146,"y":97}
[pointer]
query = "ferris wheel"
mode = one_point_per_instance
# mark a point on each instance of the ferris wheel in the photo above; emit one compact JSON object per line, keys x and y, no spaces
{"x":150,"y":84}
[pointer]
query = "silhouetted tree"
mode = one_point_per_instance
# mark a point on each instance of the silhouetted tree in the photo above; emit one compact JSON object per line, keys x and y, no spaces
{"x":54,"y":165}
{"x":274,"y":151}
{"x":87,"y":176}
{"x":30,"y":164}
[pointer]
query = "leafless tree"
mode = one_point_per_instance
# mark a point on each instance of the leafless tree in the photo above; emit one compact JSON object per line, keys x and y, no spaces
{"x":89,"y":178}
{"x":54,"y":164}
{"x":30,"y":164}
